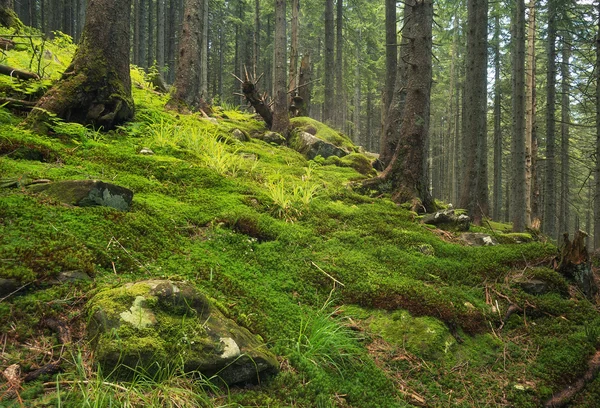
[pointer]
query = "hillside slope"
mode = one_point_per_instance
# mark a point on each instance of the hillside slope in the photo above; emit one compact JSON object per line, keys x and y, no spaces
{"x":363,"y":305}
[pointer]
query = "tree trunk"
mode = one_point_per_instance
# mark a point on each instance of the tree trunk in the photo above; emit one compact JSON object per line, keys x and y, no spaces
{"x":498,"y":142}
{"x":188,"y":78}
{"x":340,"y":96}
{"x":329,"y":103}
{"x":474,"y":194}
{"x":597,"y":169}
{"x":305,"y":85}
{"x":530,"y":115}
{"x":549,"y":221}
{"x":160,"y":34}
{"x":357,"y":95}
{"x":204,"y":52}
{"x":394,"y":115}
{"x":143,"y":44}
{"x":293,"y":77}
{"x":256,"y":37}
{"x":391,"y":53}
{"x":564,"y":130}
{"x":281,"y":120}
{"x":8,"y":17}
{"x":96,"y":88}
{"x":407,"y":169}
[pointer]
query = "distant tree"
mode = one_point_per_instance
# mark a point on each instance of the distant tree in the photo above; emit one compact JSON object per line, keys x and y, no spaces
{"x":96,"y":87}
{"x":391,"y":53}
{"x":597,"y":168}
{"x":8,"y":17}
{"x":281,"y":120}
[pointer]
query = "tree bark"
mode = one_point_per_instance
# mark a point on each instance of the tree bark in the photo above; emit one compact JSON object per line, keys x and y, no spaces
{"x":305,"y":85}
{"x":530,"y":115}
{"x":474,"y":194}
{"x":187,"y":96}
{"x":391,"y":53}
{"x":394,"y":115}
{"x":597,"y":169}
{"x":160,"y":34}
{"x":518,"y":192}
{"x":340,"y":96}
{"x":564,"y":131}
{"x":293,"y":76}
{"x":329,"y":103}
{"x":96,"y":88}
{"x":281,"y":120}
{"x":549,"y":221}
{"x":204,"y":52}
{"x":8,"y":17}
{"x":407,"y":169}
{"x":498,"y":142}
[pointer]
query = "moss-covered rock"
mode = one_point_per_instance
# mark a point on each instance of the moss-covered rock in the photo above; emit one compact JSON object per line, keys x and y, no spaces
{"x":311,"y":146}
{"x":156,"y":323}
{"x":86,"y":193}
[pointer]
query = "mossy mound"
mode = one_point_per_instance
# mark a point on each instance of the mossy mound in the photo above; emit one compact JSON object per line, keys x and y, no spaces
{"x":322,"y":131}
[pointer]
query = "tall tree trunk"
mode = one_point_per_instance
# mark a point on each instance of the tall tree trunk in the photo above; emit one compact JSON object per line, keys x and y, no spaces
{"x":391,"y":53}
{"x":143,"y":44}
{"x":474,"y":194}
{"x":188,"y":79}
{"x":293,"y":77}
{"x":8,"y":17}
{"x":281,"y":120}
{"x":549,"y":221}
{"x":564,"y":130}
{"x":407,"y":171}
{"x":395,"y":111}
{"x":449,"y":174}
{"x":498,"y":142}
{"x":204,"y":52}
{"x":305,"y":85}
{"x":96,"y":88}
{"x":597,"y":169}
{"x":160,"y":34}
{"x":329,"y":103}
{"x":518,"y":193}
{"x":340,"y":96}
{"x":530,"y":114}
{"x":357,"y":92}
{"x":256,"y":37}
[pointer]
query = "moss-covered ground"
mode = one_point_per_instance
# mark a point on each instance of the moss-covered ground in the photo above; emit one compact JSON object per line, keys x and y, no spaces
{"x":364,"y":306}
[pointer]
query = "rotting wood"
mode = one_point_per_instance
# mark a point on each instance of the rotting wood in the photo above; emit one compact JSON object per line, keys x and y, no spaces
{"x":48,"y":369}
{"x":17,"y":73}
{"x":574,"y":263}
{"x":17,"y":104}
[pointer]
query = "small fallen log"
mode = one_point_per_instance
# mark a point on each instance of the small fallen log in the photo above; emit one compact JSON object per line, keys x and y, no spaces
{"x":6,"y":44}
{"x":566,"y":395}
{"x":48,"y":369}
{"x":17,"y":73}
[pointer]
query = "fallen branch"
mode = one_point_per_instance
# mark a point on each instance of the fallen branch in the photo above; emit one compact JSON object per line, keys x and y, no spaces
{"x":328,"y":275}
{"x":566,"y":395}
{"x":17,"y":104}
{"x":17,"y":73}
{"x":108,"y":384}
{"x":49,"y":369}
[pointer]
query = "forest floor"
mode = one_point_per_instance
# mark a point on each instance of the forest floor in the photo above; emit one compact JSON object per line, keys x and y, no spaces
{"x":363,"y":304}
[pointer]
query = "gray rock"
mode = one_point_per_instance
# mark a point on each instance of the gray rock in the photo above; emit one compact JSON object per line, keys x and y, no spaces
{"x":154,"y":323}
{"x":311,"y":146}
{"x":71,"y":276}
{"x":448,"y":219}
{"x":270,"y":137}
{"x":87,"y":193}
{"x":478,"y":239}
{"x":239,"y":135}
{"x":535,"y":286}
{"x":8,"y":286}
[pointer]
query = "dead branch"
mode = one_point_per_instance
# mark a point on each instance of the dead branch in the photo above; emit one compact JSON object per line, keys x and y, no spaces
{"x":566,"y":395}
{"x":17,"y":73}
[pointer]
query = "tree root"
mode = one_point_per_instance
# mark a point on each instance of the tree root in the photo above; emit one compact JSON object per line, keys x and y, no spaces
{"x":566,"y":395}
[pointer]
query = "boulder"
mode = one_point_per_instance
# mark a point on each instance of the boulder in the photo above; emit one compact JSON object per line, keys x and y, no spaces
{"x":87,"y":193}
{"x":239,"y":135}
{"x":478,"y":239}
{"x":155,"y":323}
{"x":270,"y":137}
{"x":311,"y":146}
{"x":448,"y":220}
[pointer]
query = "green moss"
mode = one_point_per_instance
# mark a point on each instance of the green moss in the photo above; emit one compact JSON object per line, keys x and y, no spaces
{"x":322,"y":131}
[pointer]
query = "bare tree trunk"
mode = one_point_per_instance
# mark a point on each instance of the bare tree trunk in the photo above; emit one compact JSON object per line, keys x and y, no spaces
{"x":357,"y":93}
{"x":391,"y":53}
{"x":293,"y":77}
{"x":564,"y":130}
{"x":281,"y":120}
{"x":340,"y":96}
{"x":518,"y":192}
{"x":305,"y":85}
{"x":256,"y":37}
{"x":96,"y":88}
{"x":597,"y":169}
{"x":394,"y":115}
{"x":329,"y":103}
{"x":407,"y":171}
{"x":187,"y":96}
{"x":498,"y":142}
{"x":549,"y":221}
{"x":474,"y":194}
{"x":530,"y":114}
{"x":160,"y":34}
{"x":204,"y":52}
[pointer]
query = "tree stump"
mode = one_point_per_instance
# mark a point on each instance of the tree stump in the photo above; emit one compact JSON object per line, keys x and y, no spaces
{"x":574,"y":263}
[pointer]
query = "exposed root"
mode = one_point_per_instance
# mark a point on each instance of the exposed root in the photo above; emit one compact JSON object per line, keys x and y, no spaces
{"x":566,"y":395}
